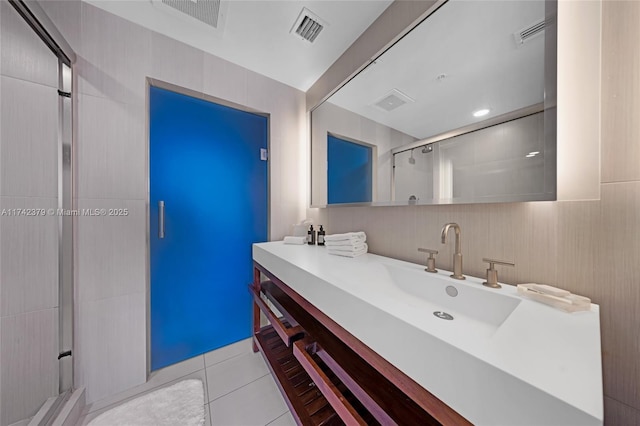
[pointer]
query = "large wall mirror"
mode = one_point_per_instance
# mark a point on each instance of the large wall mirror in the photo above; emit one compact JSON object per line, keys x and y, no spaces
{"x":460,"y":110}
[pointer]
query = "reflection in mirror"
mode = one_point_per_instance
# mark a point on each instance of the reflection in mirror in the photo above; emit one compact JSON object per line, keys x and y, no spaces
{"x":414,"y":172}
{"x":349,"y":161}
{"x":504,"y":162}
{"x":329,"y":119}
{"x":423,"y":105}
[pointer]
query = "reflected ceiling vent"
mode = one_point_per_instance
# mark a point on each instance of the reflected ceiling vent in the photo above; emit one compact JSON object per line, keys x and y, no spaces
{"x":529,"y":32}
{"x":210,"y":12}
{"x":308,"y":25}
{"x":392,"y":100}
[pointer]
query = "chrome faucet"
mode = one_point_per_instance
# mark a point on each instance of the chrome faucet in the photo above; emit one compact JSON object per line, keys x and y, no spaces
{"x":457,"y":256}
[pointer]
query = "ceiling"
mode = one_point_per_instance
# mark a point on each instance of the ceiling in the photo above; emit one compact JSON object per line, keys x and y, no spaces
{"x":256,"y":34}
{"x":472,"y":44}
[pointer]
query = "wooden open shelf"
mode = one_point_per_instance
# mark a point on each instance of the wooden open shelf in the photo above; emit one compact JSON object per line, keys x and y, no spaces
{"x":327,"y":376}
{"x":303,"y":397}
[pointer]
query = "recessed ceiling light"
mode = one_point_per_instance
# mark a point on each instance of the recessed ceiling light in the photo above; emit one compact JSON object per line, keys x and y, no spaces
{"x":481,"y":112}
{"x":530,"y":155}
{"x":534,"y":153}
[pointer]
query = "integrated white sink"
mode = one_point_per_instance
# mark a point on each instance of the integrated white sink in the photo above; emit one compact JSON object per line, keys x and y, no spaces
{"x":460,"y":299}
{"x":502,"y":360}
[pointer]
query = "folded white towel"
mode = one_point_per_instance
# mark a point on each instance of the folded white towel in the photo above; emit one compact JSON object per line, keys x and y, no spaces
{"x":349,"y":253}
{"x":352,"y":247}
{"x":295,"y":240}
{"x":346,"y":243}
{"x":349,"y":236}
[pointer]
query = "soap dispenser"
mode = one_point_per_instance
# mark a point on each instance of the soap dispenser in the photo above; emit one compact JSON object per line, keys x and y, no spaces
{"x":321,"y":236}
{"x":311,"y":236}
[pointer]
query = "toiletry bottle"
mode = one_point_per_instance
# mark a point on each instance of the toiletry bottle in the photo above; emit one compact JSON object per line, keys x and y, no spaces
{"x":311,"y":236}
{"x":321,"y":236}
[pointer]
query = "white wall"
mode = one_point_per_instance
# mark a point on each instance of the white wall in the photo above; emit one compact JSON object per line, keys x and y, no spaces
{"x":114,"y":58}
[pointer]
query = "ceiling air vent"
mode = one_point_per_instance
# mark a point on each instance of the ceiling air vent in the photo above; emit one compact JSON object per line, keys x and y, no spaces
{"x":206,"y":11}
{"x":308,"y":25}
{"x":529,"y":32}
{"x":392,"y":100}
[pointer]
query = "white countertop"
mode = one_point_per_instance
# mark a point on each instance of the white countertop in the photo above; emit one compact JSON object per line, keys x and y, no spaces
{"x":539,"y":366}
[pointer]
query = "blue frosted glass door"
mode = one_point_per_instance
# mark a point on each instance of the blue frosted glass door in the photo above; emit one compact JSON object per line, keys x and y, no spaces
{"x":205,"y":166}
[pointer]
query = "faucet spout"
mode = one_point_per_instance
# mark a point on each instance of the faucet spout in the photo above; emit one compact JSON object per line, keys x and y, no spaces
{"x":445,"y":231}
{"x":457,"y":255}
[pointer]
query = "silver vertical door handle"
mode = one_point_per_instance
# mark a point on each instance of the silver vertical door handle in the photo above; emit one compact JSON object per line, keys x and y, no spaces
{"x":160,"y":219}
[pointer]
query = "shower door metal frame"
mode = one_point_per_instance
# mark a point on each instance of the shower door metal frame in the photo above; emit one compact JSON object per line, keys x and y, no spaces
{"x":38,"y":20}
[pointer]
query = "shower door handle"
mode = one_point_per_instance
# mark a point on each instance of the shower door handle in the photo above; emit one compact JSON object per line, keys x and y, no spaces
{"x":160,"y":219}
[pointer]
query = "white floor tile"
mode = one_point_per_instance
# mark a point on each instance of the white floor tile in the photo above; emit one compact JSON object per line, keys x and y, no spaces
{"x":284,"y":420}
{"x":234,"y":373}
{"x":256,"y":404}
{"x":242,"y":347}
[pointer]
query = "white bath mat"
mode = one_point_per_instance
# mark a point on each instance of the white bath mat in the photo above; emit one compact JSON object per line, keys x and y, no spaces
{"x":179,"y":404}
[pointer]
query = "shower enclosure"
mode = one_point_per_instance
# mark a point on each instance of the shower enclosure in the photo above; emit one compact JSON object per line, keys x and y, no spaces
{"x":36,"y":224}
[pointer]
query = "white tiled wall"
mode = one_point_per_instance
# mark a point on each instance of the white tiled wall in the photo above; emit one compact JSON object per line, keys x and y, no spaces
{"x":28,"y":245}
{"x":115,"y":57}
{"x":29,"y":153}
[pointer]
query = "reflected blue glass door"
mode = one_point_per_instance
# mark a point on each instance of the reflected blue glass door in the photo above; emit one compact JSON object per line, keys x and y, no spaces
{"x":205,"y":166}
{"x":349,"y":171}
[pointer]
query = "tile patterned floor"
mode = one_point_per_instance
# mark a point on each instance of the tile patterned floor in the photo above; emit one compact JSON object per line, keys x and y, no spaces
{"x":239,"y":389}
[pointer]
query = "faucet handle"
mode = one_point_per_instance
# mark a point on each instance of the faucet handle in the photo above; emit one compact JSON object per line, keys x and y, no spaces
{"x":492,"y":274}
{"x":431,"y":261}
{"x":430,"y":251}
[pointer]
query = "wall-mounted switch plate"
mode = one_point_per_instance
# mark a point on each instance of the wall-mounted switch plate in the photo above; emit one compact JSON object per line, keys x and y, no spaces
{"x":264,"y":154}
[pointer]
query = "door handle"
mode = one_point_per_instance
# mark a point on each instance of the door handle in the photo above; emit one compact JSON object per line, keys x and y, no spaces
{"x":160,"y":219}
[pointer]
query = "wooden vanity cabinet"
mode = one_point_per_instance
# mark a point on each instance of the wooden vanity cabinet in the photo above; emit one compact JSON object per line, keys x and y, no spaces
{"x":326,"y":375}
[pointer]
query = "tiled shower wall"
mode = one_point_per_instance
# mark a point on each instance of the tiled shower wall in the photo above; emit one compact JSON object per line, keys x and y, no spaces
{"x":28,"y":245}
{"x":114,"y":58}
{"x":588,"y":247}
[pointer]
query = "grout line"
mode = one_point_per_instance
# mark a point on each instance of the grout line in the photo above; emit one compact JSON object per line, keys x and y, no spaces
{"x":29,"y":81}
{"x":108,"y":199}
{"x":221,"y":361}
{"x":28,"y":312}
{"x":105,"y":97}
{"x":29,"y":197}
{"x":619,"y":182}
{"x":208,"y":405}
{"x":238,"y":388}
{"x":280,"y":416}
{"x":206,"y":380}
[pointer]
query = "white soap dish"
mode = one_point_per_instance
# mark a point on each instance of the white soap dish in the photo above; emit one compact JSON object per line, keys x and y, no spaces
{"x":555,"y":297}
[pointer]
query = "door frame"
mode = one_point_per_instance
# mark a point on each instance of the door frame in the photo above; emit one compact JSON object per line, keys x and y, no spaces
{"x":152,"y":82}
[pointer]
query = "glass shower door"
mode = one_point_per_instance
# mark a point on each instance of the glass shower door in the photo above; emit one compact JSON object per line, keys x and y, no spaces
{"x":35,"y":241}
